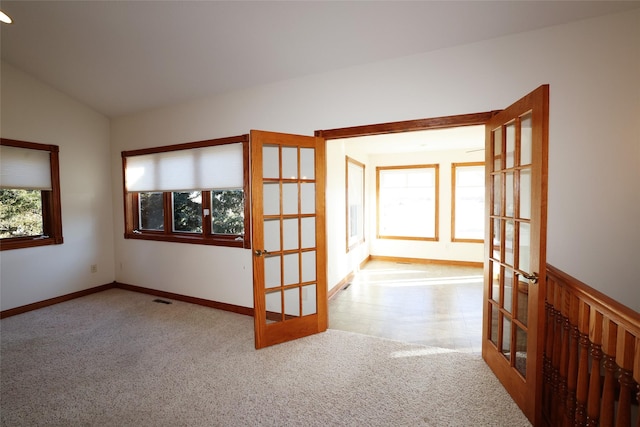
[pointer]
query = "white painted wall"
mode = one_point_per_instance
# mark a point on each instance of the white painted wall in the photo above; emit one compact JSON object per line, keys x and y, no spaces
{"x":444,"y":248}
{"x":340,"y":262}
{"x":594,"y":202}
{"x":34,"y":112}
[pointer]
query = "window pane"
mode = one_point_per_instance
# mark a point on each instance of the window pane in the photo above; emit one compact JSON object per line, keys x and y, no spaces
{"x":151,"y":211}
{"x":187,"y":211}
{"x":227,"y":212}
{"x":407,"y":202}
{"x":20,"y":213}
{"x":469,"y":202}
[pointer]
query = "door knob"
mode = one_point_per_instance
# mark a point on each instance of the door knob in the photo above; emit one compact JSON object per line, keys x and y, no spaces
{"x":533,"y":278}
{"x":260,"y":252}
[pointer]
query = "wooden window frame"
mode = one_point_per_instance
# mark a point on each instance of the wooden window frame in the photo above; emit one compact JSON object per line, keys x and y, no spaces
{"x":131,"y":203}
{"x":51,"y":206}
{"x":453,"y":201}
{"x":360,"y":233}
{"x":436,"y":168}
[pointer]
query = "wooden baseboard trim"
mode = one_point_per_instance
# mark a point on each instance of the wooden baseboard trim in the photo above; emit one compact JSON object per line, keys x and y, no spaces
{"x":337,"y":288}
{"x":345,"y":281}
{"x":247,"y":311}
{"x":425,"y":261}
{"x":57,"y":300}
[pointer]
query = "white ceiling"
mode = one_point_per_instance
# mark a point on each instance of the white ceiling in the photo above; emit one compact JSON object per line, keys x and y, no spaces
{"x":120,"y":57}
{"x":469,"y":138}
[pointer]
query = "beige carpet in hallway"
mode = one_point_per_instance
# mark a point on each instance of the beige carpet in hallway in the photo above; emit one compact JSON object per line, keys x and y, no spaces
{"x":117,"y":358}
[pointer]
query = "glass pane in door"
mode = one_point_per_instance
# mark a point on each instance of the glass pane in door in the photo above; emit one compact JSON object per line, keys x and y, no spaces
{"x":291,"y":269}
{"x":521,"y":351}
{"x":309,"y":305}
{"x":270,"y":162}
{"x":307,"y":163}
{"x":494,"y":324}
{"x":289,"y":162}
{"x":508,"y":289}
{"x":497,"y":149}
{"x":523,"y":300}
{"x":511,"y":145}
{"x":497,"y":194}
{"x":509,"y":196}
{"x":292,"y":302}
{"x":272,"y":272}
{"x":273,"y":303}
{"x":524,"y":246}
{"x":525,"y":193}
{"x":495,"y":279}
{"x":290,"y":234}
{"x":509,"y":243}
{"x":497,"y":237}
{"x":526,"y":143}
{"x":506,"y":337}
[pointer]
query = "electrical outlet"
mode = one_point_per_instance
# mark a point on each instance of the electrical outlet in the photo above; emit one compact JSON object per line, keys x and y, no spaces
{"x":94,"y":268}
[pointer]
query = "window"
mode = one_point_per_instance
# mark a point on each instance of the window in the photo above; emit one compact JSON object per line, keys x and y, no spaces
{"x":407,"y":202}
{"x":467,"y":202}
{"x":355,"y":202}
{"x":30,"y":213}
{"x":189,"y":193}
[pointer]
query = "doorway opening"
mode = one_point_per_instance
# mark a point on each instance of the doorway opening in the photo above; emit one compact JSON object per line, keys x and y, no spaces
{"x":408,"y":288}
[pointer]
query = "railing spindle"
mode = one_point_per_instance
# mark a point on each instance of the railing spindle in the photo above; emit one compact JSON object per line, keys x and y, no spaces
{"x":595,"y":337}
{"x":564,"y":358}
{"x":625,"y":351}
{"x":583,"y":365}
{"x":609,"y":342}
{"x":572,"y":369}
{"x":636,"y":375}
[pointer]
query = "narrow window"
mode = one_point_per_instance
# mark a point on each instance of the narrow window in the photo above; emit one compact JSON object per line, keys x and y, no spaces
{"x":467,"y":206}
{"x":407,"y":202}
{"x":355,"y":202}
{"x":30,"y":213}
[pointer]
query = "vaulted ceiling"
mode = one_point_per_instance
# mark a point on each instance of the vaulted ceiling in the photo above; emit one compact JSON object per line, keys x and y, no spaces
{"x":121,"y":57}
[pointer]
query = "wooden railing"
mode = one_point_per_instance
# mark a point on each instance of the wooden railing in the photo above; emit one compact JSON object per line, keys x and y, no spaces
{"x":591,"y":357}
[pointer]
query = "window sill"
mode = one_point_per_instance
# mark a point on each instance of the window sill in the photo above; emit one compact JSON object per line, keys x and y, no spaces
{"x":467,"y":241}
{"x":28,"y":242}
{"x":195,"y":240}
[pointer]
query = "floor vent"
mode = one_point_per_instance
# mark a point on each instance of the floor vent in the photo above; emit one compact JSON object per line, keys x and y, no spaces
{"x":161,"y":301}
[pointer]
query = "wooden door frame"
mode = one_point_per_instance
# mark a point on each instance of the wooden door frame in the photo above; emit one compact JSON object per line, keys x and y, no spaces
{"x":408,"y":125}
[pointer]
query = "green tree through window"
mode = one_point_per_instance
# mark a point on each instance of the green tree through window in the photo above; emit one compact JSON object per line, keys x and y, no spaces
{"x":187,"y":211}
{"x":227,"y":215}
{"x":20,"y":213}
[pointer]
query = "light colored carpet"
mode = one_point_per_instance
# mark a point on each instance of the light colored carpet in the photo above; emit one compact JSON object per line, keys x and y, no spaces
{"x":117,"y":358}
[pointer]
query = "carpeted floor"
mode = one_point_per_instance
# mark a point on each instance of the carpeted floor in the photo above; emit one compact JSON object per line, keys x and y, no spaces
{"x":119,"y":359}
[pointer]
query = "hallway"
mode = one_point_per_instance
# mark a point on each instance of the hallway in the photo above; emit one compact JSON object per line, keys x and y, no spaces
{"x":429,"y":304}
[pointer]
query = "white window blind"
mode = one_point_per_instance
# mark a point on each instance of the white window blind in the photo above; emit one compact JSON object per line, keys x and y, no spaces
{"x":25,"y":168}
{"x":206,"y":168}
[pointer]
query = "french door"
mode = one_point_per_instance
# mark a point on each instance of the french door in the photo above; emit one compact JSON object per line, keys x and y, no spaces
{"x":288,"y":236}
{"x":516,"y":148}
